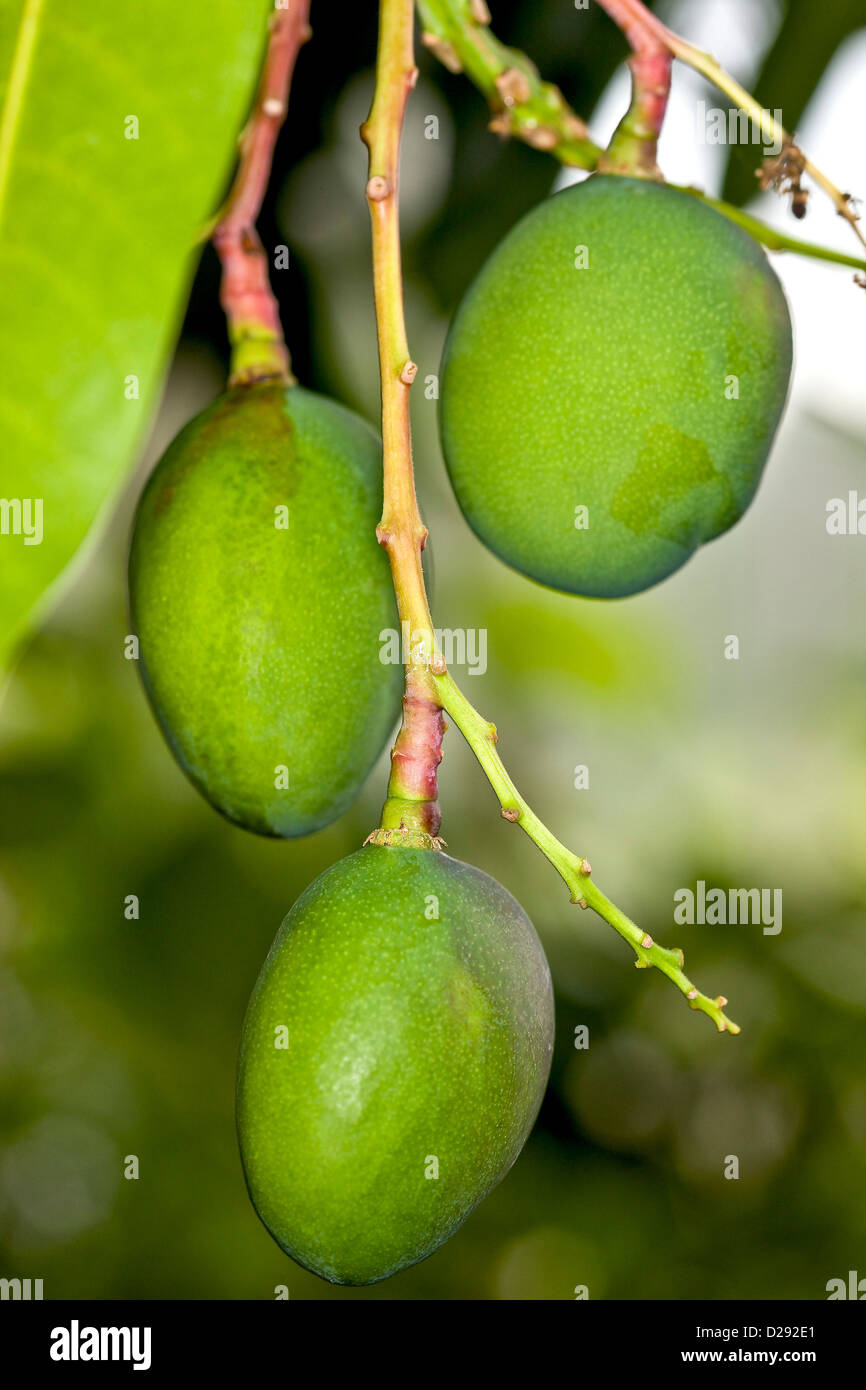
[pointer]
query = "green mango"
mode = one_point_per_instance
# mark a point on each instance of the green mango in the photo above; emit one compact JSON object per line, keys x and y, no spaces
{"x":259,"y":592}
{"x":625,"y":350}
{"x":416,"y":1002}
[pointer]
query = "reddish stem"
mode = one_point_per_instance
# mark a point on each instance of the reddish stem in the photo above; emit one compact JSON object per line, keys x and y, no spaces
{"x":634,"y":146}
{"x":639,"y":24}
{"x":412,"y":802}
{"x":258,"y":348}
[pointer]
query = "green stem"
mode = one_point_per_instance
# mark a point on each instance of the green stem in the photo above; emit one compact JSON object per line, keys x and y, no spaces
{"x":765,"y":122}
{"x":403,"y":534}
{"x":574,"y":870}
{"x":523,"y":104}
{"x":411,"y":808}
{"x":771,"y":238}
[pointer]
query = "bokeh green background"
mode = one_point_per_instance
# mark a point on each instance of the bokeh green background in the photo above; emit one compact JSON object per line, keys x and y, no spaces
{"x":119,"y":1037}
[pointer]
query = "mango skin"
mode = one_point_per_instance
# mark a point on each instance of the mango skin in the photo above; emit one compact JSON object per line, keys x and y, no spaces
{"x":259,"y":646}
{"x":605,"y":387}
{"x":411,"y":1037}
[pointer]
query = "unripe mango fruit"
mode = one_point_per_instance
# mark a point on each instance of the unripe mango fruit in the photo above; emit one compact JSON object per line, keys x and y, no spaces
{"x":625,"y":350}
{"x":417,"y":1011}
{"x":258,"y":592}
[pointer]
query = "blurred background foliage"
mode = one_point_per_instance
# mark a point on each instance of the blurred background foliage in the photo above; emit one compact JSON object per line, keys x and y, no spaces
{"x":119,"y":1037}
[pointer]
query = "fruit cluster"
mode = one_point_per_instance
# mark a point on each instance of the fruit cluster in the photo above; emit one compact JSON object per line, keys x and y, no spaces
{"x":610,"y":388}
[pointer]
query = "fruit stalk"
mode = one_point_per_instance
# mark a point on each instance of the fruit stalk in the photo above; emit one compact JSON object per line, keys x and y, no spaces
{"x":403,"y":533}
{"x":633,"y":148}
{"x":411,"y":808}
{"x":461,"y":43}
{"x":259,"y":351}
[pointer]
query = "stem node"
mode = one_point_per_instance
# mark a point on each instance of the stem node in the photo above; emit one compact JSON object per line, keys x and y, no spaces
{"x":378,"y":189}
{"x":513,"y":87}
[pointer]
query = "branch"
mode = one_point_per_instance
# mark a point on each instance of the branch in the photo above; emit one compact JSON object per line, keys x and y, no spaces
{"x":411,"y":811}
{"x":770,"y":237}
{"x":258,"y":348}
{"x":523,"y":105}
{"x":634,"y":13}
{"x":466,"y":45}
{"x":769,"y":128}
{"x":574,"y":870}
{"x":403,"y":534}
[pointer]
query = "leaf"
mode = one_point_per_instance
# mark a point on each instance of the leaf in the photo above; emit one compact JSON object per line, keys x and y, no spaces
{"x":807,"y":40}
{"x":118,"y":127}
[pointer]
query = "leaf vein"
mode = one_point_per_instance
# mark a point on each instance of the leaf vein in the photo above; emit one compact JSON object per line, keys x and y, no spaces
{"x":12,"y":107}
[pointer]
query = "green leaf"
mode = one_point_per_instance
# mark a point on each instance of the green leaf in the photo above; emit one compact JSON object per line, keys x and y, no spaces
{"x":118,"y":127}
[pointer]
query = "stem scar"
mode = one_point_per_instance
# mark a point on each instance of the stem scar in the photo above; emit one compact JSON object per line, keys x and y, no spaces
{"x":378,"y":188}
